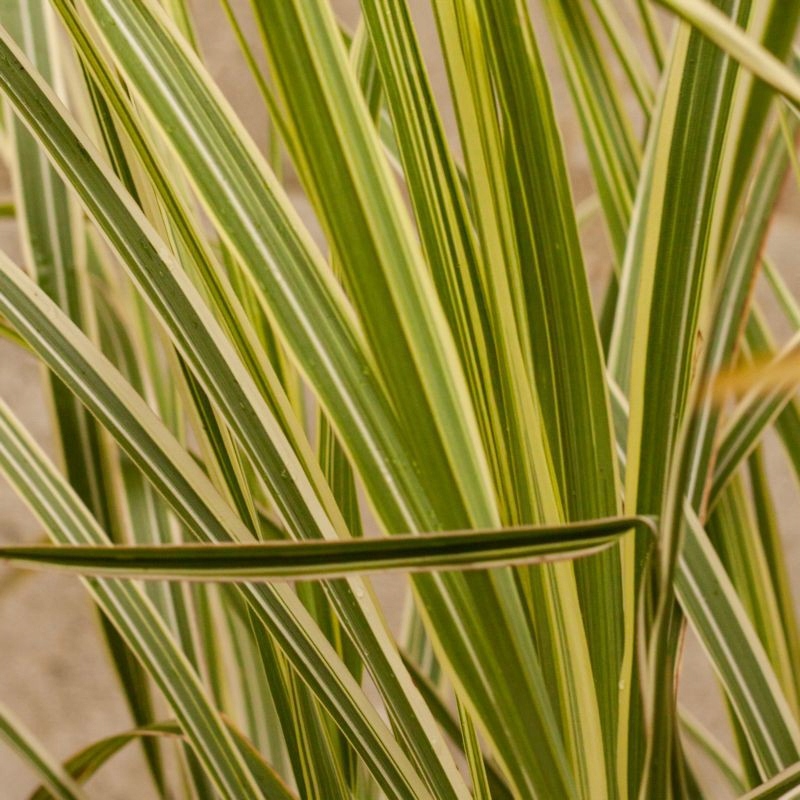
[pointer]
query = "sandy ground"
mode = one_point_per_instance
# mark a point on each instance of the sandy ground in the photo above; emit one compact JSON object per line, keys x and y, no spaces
{"x":54,"y":672}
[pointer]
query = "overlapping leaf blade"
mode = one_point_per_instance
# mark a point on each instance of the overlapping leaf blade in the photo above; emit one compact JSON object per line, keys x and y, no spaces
{"x":67,"y":520}
{"x":459,"y":375}
{"x":218,"y":368}
{"x":178,"y":477}
{"x":310,"y":560}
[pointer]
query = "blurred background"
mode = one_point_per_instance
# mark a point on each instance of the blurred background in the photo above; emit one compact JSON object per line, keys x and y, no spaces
{"x":54,"y":673}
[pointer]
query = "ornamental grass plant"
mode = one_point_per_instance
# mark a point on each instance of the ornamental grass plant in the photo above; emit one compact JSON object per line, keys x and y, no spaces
{"x":258,"y":414}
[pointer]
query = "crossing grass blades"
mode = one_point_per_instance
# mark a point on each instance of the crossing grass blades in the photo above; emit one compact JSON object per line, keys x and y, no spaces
{"x":557,"y":468}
